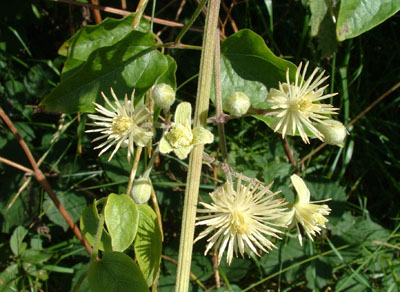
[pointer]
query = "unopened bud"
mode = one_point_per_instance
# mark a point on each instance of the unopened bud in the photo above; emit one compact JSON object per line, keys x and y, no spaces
{"x":237,"y":104}
{"x":141,"y":190}
{"x":334,"y":132}
{"x":163,"y":95}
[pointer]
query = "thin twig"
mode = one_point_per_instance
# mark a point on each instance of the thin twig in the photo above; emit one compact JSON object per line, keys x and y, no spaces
{"x":359,"y":116}
{"x":157,"y":211}
{"x":43,"y":182}
{"x":96,"y":12}
{"x":16,"y":165}
{"x":126,"y":13}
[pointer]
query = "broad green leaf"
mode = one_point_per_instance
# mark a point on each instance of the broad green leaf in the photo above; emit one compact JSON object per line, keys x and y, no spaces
{"x":92,"y":37}
{"x":35,"y":256}
{"x":116,"y":272}
{"x":318,"y":11}
{"x":35,"y":271}
{"x":8,"y":278}
{"x":88,"y":224}
{"x":72,"y":203}
{"x":358,"y":16}
{"x":323,"y":26}
{"x":122,"y":218}
{"x":249,"y":66}
{"x":168,"y":76}
{"x":126,"y":65}
{"x":148,"y":243}
{"x":289,"y":252}
{"x":17,"y":240}
{"x":318,"y":274}
{"x":236,"y":270}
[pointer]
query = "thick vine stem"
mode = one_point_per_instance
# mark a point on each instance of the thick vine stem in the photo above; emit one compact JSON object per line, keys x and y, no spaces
{"x":195,"y":160}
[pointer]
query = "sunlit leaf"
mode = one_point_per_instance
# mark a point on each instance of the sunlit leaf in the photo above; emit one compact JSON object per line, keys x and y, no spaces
{"x":358,"y":16}
{"x":148,"y":244}
{"x":122,"y":218}
{"x":127,"y":65}
{"x":116,"y":272}
{"x":88,"y":224}
{"x":249,"y":66}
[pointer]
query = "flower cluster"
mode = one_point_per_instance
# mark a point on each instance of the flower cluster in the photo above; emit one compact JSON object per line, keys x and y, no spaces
{"x":181,"y":138}
{"x":239,"y":219}
{"x":120,"y":126}
{"x":297,"y":105}
{"x":310,"y":215}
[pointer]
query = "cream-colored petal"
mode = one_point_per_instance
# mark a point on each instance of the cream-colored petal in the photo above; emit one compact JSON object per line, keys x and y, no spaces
{"x":183,"y":152}
{"x":303,"y":193}
{"x":183,"y":113}
{"x":202,"y":136}
{"x":165,"y":147}
{"x":140,"y":136}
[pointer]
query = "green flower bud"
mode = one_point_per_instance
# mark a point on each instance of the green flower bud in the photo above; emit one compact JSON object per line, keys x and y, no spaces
{"x":141,"y":190}
{"x":334,"y":132}
{"x":237,"y":103}
{"x":163,"y":95}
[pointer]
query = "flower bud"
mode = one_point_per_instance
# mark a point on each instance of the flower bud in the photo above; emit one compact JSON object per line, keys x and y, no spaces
{"x":334,"y":132}
{"x":141,"y":190}
{"x":237,"y":104}
{"x":163,"y":95}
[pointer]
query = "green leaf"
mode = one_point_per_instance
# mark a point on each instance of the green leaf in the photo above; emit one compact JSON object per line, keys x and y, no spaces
{"x":128,"y":64}
{"x":116,"y":272}
{"x":358,"y":16}
{"x":318,"y":274}
{"x":72,"y":203}
{"x":35,"y":256}
{"x":8,"y":278}
{"x":249,"y":66}
{"x":122,"y":219}
{"x":148,"y":243}
{"x":88,"y":224}
{"x":168,"y":76}
{"x":92,"y":37}
{"x":16,"y":240}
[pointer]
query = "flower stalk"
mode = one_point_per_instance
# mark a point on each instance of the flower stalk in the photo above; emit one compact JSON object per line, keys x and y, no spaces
{"x":195,"y":164}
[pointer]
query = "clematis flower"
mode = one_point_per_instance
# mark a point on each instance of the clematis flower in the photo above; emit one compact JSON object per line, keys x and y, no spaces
{"x":298,"y":106}
{"x":239,"y":220}
{"x":310,"y":215}
{"x":181,"y":138}
{"x":120,"y":126}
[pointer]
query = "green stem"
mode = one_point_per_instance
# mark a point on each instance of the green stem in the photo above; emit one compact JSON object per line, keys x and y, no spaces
{"x":190,"y":22}
{"x":97,"y":239}
{"x":218,"y":100}
{"x":139,"y":12}
{"x":146,"y":173}
{"x":196,"y":157}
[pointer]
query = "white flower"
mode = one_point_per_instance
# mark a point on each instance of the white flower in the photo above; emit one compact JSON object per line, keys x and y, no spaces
{"x":181,"y":138}
{"x":240,"y":219}
{"x":121,"y":126}
{"x":308,"y":214}
{"x":298,"y":105}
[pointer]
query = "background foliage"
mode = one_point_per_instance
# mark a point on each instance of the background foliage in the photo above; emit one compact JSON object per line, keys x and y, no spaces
{"x":360,"y":249}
